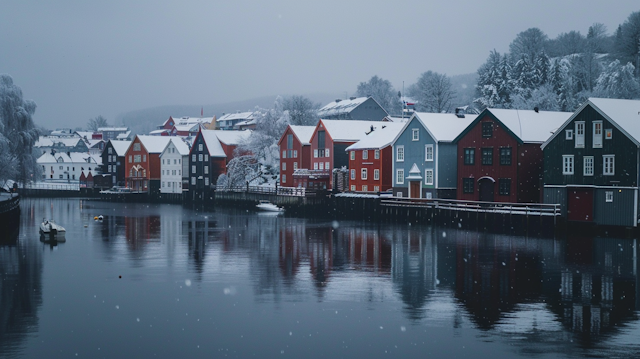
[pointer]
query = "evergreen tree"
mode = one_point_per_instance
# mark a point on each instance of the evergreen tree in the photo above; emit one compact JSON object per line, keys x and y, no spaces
{"x":618,"y":81}
{"x":492,"y":82}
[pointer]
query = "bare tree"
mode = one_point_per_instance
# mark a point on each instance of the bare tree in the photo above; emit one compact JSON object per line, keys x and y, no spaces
{"x":302,"y":111}
{"x":433,"y":92}
{"x":383,"y":92}
{"x":95,"y":123}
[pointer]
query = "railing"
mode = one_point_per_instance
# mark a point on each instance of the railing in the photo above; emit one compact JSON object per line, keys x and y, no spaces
{"x":52,"y":186}
{"x":280,"y":191}
{"x":529,"y":209}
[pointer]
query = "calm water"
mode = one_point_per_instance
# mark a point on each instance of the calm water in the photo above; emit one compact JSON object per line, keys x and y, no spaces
{"x":167,"y":281}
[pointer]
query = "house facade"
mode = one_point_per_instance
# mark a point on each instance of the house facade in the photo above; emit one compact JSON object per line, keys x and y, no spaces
{"x":424,"y":155}
{"x":113,"y":161}
{"x":174,"y":162}
{"x":142,"y":168}
{"x":67,"y":166}
{"x":228,"y":121}
{"x":295,"y":152}
{"x":355,"y":108}
{"x":499,"y":158}
{"x":591,"y":164}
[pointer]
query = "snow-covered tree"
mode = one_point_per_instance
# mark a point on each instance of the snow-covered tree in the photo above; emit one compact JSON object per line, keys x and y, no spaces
{"x":543,"y":97}
{"x":618,"y":81}
{"x":95,"y":123}
{"x":383,"y":92}
{"x":242,"y":169}
{"x":18,"y":133}
{"x":494,"y":82}
{"x":433,"y":92}
{"x":627,"y":41}
{"x":528,"y":43}
{"x":523,"y":77}
{"x":302,"y":111}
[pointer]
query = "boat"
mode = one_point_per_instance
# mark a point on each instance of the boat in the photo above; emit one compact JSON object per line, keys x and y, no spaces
{"x":269,"y":207}
{"x":50,"y":228}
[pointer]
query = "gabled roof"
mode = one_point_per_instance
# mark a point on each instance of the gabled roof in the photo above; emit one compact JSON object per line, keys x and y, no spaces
{"x":623,"y":114}
{"x":120,"y":146}
{"x":187,"y":127}
{"x":232,"y":138}
{"x":158,"y":132}
{"x":382,"y":136}
{"x":236,"y":116}
{"x":348,"y":130}
{"x":181,"y":146}
{"x":524,"y":125}
{"x":303,"y":133}
{"x":154,"y":144}
{"x":46,"y":141}
{"x":213,"y":143}
{"x":119,"y":129}
{"x":443,"y":126}
{"x":340,"y":107}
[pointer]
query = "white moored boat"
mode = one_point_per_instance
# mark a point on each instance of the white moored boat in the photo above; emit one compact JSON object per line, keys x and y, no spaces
{"x":269,"y":207}
{"x":50,"y":228}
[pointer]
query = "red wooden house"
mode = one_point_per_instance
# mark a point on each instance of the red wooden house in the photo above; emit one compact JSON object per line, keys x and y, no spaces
{"x":295,"y":152}
{"x":499,"y":155}
{"x":371,"y":159}
{"x":142,"y":163}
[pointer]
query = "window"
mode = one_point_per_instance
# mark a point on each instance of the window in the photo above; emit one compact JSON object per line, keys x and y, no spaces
{"x":60,"y":177}
{"x":399,"y":194}
{"x":579,"y":134}
{"x":609,"y":165}
{"x":428,"y":177}
{"x":487,"y":156}
{"x":321,"y":165}
{"x":206,"y":181}
{"x":193,"y":158}
{"x":469,"y":156}
{"x":353,"y":188}
{"x":136,"y":158}
{"x":193,"y":169}
{"x":568,"y":134}
{"x":109,"y":150}
{"x":597,"y":134}
{"x":608,"y":196}
{"x":415,"y":134}
{"x":365,"y":188}
{"x":200,"y":157}
{"x":162,"y":184}
{"x":295,"y":165}
{"x":315,"y":165}
{"x":608,"y":134}
{"x":365,"y":155}
{"x":199,"y":146}
{"x":284,"y":166}
{"x":363,"y":174}
{"x":376,"y":174}
{"x":163,"y":172}
{"x":567,"y":164}
{"x":487,"y":129}
{"x":321,"y":139}
{"x":505,"y":156}
{"x":504,"y":186}
{"x":400,"y":176}
{"x":326,"y":152}
{"x":376,"y":154}
{"x":315,"y":153}
{"x":284,"y":178}
{"x":284,"y":153}
{"x":144,"y":158}
{"x":129,"y":158}
{"x":290,"y":140}
{"x":352,"y":155}
{"x":326,"y":165}
{"x":376,"y":188}
{"x":109,"y":168}
{"x":295,"y":153}
{"x":400,"y":154}
{"x":193,"y":180}
{"x":136,"y":146}
{"x":353,"y":174}
{"x":206,"y":170}
{"x":428,"y":152}
{"x":587,"y":168}
{"x":467,"y":185}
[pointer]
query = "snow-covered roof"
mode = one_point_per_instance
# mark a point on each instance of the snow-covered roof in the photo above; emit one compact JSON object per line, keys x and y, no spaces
{"x":397,"y":118}
{"x":303,"y":133}
{"x":341,"y":107}
{"x":187,"y":127}
{"x":71,"y":157}
{"x":120,"y":147}
{"x":154,"y":144}
{"x":213,"y":143}
{"x":157,"y":132}
{"x":119,"y":129}
{"x":529,"y":125}
{"x":236,"y":116}
{"x":46,"y":141}
{"x":232,"y":138}
{"x":124,"y":135}
{"x":84,"y":134}
{"x":46,"y":157}
{"x":349,"y":130}
{"x":180,"y":145}
{"x":444,"y":126}
{"x":92,"y":143}
{"x":382,"y":136}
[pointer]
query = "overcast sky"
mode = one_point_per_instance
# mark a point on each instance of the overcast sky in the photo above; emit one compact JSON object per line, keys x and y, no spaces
{"x":80,"y":59}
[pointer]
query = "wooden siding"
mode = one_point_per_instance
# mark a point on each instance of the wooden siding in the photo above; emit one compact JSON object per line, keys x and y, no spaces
{"x":619,"y":212}
{"x":556,"y":195}
{"x":300,"y":159}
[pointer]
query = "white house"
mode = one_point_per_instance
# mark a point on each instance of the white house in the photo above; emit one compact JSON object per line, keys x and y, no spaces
{"x":174,"y":162}
{"x":67,"y":167}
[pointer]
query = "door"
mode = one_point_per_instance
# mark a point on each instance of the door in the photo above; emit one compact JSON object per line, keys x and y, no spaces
{"x":580,"y":206}
{"x":485,"y":185}
{"x":414,"y":189}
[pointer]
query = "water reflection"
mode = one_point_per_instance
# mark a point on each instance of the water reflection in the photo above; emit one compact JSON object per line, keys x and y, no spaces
{"x":533,"y":295}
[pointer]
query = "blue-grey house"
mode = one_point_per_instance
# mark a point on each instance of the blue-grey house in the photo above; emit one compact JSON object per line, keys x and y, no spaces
{"x":355,"y":108}
{"x":424,"y":155}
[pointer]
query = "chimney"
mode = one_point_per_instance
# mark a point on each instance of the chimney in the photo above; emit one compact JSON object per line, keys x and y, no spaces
{"x":536,"y":109}
{"x":459,"y":112}
{"x":352,"y":98}
{"x":338,"y":100}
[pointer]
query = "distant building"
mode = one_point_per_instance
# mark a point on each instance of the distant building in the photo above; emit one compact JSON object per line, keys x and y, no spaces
{"x":70,"y":143}
{"x":174,"y":166}
{"x":295,"y":152}
{"x":113,"y":161}
{"x":355,"y":108}
{"x":68,"y":166}
{"x":112,"y":133}
{"x":229,"y":121}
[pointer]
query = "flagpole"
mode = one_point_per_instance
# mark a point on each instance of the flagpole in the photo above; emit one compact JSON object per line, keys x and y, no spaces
{"x":403,"y":101}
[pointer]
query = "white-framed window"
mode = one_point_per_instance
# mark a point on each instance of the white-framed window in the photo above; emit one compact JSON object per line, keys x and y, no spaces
{"x":206,"y":157}
{"x":193,"y":180}
{"x":136,"y":146}
{"x":365,"y":154}
{"x":284,"y":153}
{"x":284,"y":178}
{"x":428,"y":152}
{"x":400,"y":154}
{"x":376,"y":174}
{"x":597,"y":134}
{"x":193,"y":169}
{"x":579,"y":134}
{"x":193,"y":157}
{"x":415,"y":134}
{"x":321,"y":165}
{"x":284,"y":166}
{"x":567,"y":164}
{"x":376,"y":188}
{"x":429,"y":195}
{"x":365,"y":188}
{"x":130,"y":158}
{"x":399,"y":194}
{"x":315,"y":153}
{"x":608,"y":196}
{"x":136,"y":158}
{"x":163,"y":172}
{"x":608,"y":165}
{"x":295,"y":165}
{"x":363,"y":174}
{"x":162,"y":184}
{"x":353,"y":188}
{"x":400,"y":176}
{"x":206,"y":181}
{"x":109,"y":150}
{"x":326,"y":165}
{"x":587,"y":166}
{"x":352,"y":155}
{"x":199,"y":146}
{"x":315,"y":165}
{"x":144,"y":158}
{"x":326,"y":152}
{"x":428,"y":177}
{"x":295,"y":153}
{"x":376,"y":154}
{"x":206,"y":170}
{"x":568,"y":134}
{"x":200,"y":157}
{"x":353,"y":174}
{"x":109,"y":168}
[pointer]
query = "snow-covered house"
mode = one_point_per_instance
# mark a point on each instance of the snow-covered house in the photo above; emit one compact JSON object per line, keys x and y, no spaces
{"x":174,"y":161}
{"x":186,"y":129}
{"x":71,"y":143}
{"x":113,"y":161}
{"x":424,"y":161}
{"x":355,"y":108}
{"x":371,"y":159}
{"x":112,"y":133}
{"x":228,"y":121}
{"x":592,"y":163}
{"x":499,"y":155}
{"x":295,"y":151}
{"x":68,"y":166}
{"x":142,"y":168}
